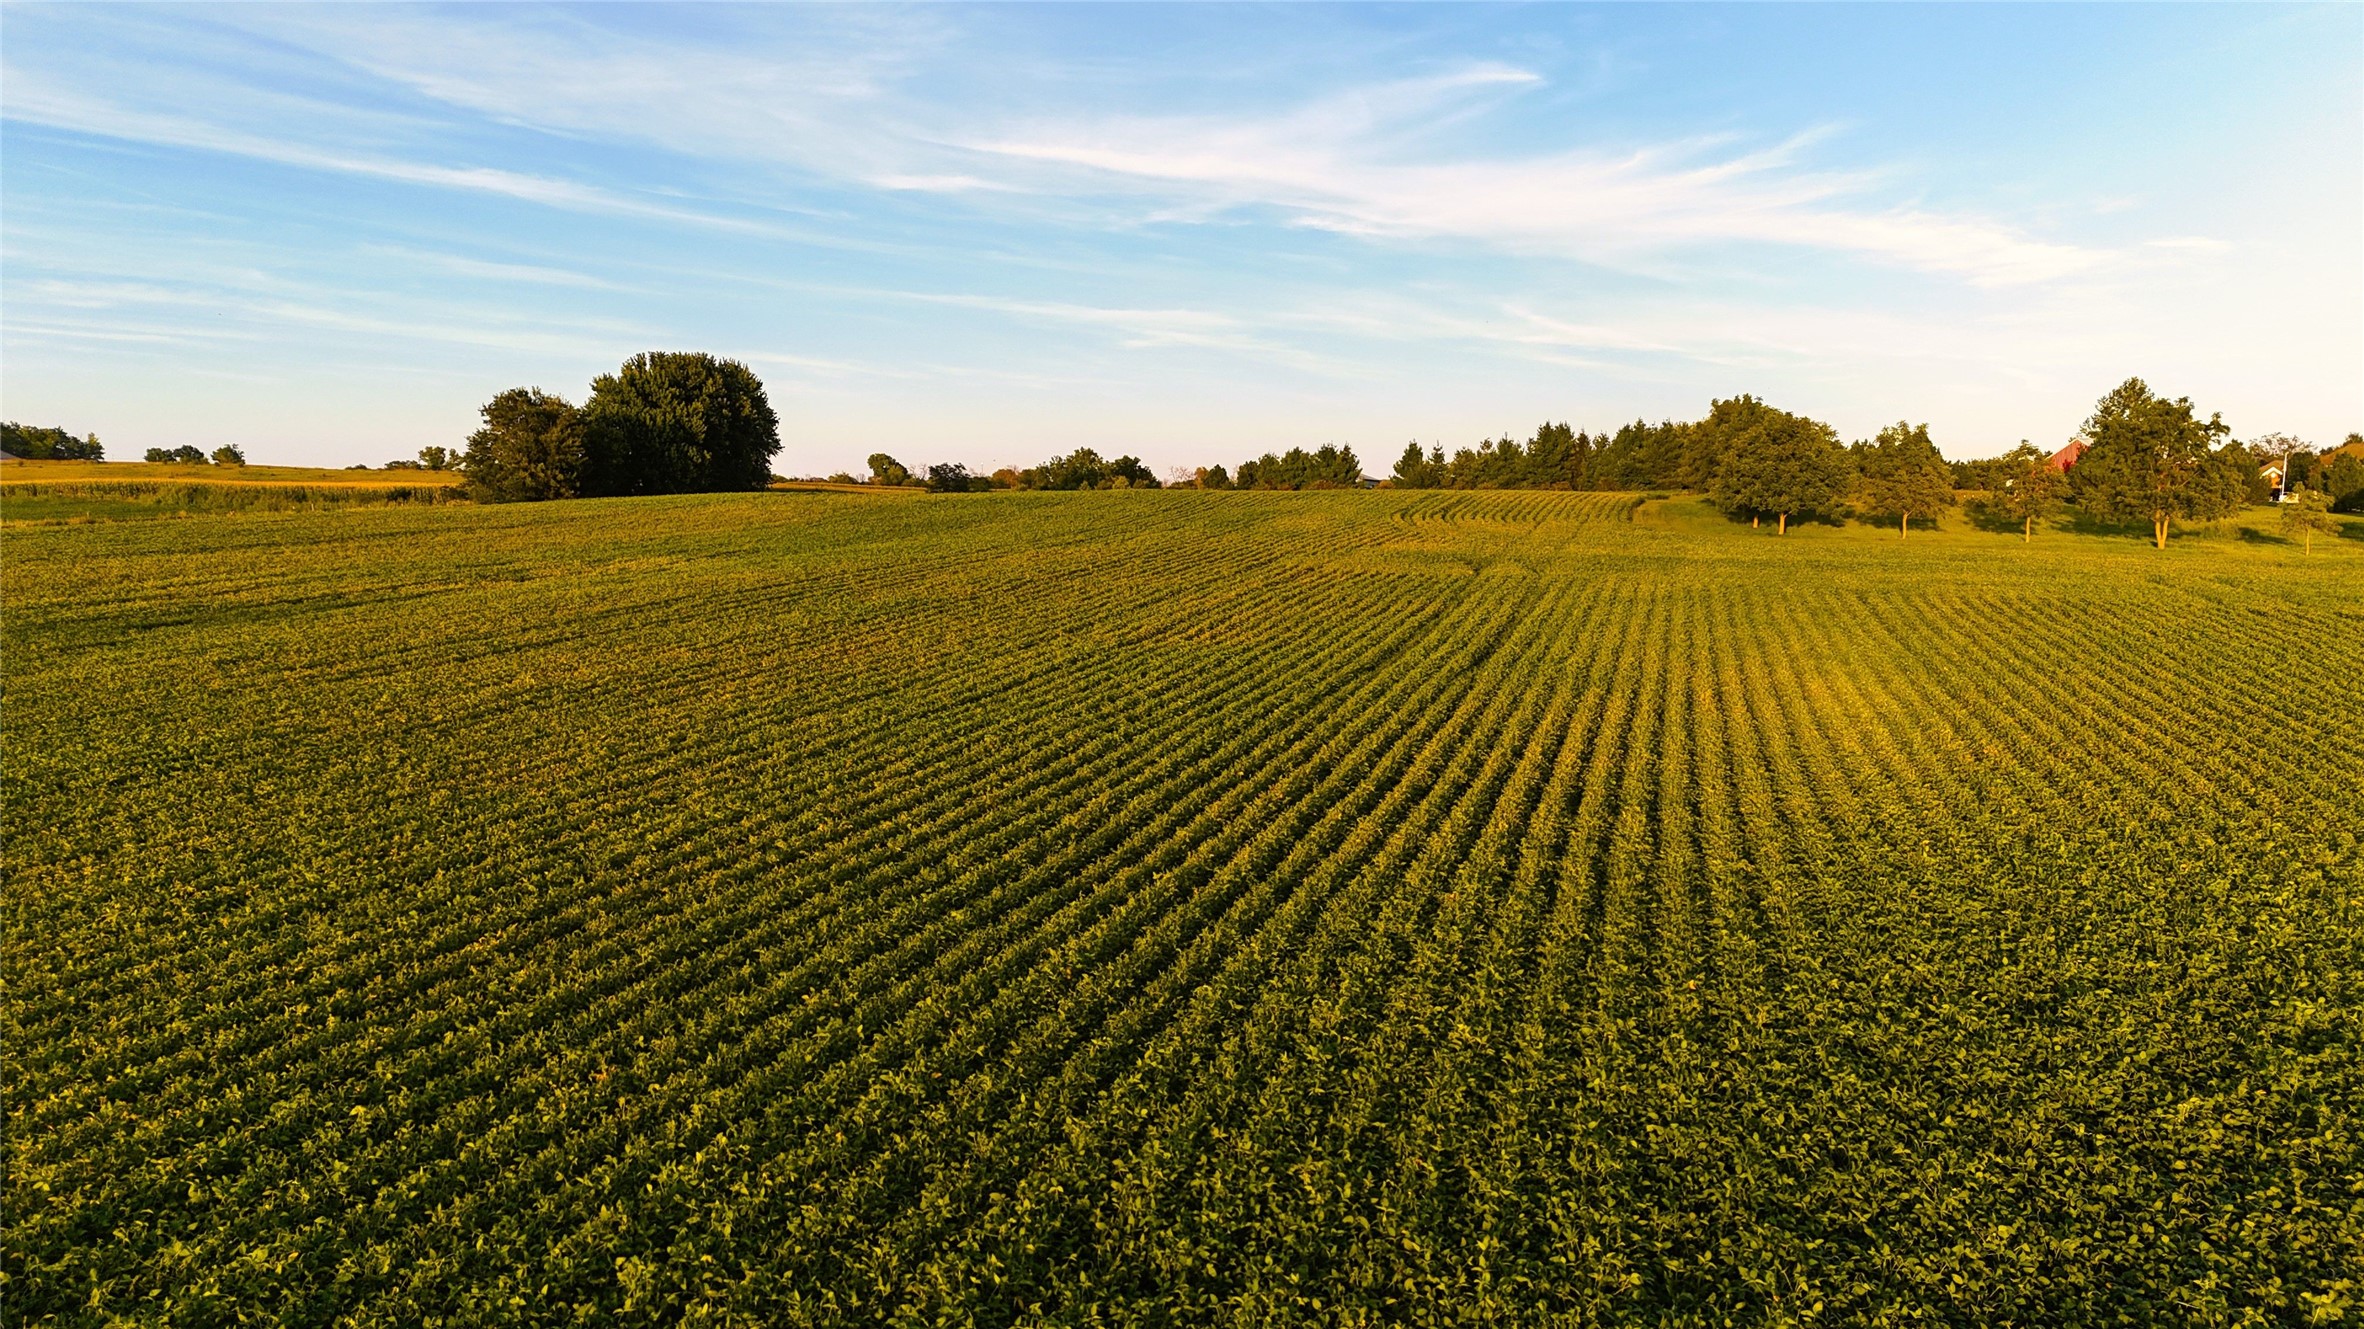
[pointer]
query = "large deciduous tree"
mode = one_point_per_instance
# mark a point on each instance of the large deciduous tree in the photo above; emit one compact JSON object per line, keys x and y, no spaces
{"x":1900,"y":475}
{"x":530,"y":448}
{"x":2154,"y":460}
{"x":1771,"y":463}
{"x":885,"y":470}
{"x":670,"y":422}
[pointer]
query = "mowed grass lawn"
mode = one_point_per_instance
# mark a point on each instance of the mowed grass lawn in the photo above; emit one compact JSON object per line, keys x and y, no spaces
{"x":1177,"y":909}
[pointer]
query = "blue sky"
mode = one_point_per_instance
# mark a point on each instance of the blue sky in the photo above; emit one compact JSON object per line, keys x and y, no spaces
{"x":988,"y":234}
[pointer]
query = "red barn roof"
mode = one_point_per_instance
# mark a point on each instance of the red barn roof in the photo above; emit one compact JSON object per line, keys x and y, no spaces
{"x":2068,"y":454}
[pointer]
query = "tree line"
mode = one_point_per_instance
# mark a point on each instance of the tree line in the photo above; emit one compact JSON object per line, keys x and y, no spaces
{"x":46,"y":443}
{"x":1326,"y":467}
{"x":43,"y":443}
{"x":681,"y":422}
{"x":2149,"y":459}
{"x":1083,"y":468}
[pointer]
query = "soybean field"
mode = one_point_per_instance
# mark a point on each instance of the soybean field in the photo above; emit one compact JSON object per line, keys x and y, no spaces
{"x":1177,"y":909}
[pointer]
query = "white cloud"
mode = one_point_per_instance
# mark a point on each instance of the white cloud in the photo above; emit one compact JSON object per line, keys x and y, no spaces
{"x":1352,"y":164}
{"x":529,"y":273}
{"x":845,"y":98}
{"x":34,"y":101}
{"x":1118,"y":210}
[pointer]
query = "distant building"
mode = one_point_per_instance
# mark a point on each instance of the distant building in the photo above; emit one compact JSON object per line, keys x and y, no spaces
{"x":2069,"y":453}
{"x":2327,"y":456}
{"x":2271,"y":473}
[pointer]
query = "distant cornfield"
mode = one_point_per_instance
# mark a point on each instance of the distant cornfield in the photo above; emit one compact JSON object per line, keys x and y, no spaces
{"x":1178,"y":908}
{"x":32,"y":499}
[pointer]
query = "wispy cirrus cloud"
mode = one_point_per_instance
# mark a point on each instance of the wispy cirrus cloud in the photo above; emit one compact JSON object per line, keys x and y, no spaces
{"x":1150,"y":329}
{"x":32,"y":100}
{"x":532,"y":274}
{"x":1403,"y":160}
{"x":1361,"y":163}
{"x":1087,"y":221}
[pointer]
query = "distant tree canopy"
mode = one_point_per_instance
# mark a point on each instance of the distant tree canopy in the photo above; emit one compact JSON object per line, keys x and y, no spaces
{"x":229,"y":454}
{"x":36,"y":443}
{"x":1085,"y":469}
{"x":184,"y":455}
{"x":664,"y":423}
{"x":2023,"y":486}
{"x":950,"y":477}
{"x":530,"y":448}
{"x":1989,"y":473}
{"x":1900,"y":475}
{"x":1642,"y":455}
{"x":1327,"y":467}
{"x":677,"y":423}
{"x":2336,"y":471}
{"x":2154,"y":460}
{"x":1557,"y":457}
{"x":1766,"y":462}
{"x":669,"y":423}
{"x":2274,"y":449}
{"x":2343,"y":475}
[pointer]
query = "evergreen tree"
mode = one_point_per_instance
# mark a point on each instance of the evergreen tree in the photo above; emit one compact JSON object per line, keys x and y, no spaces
{"x":1416,"y":470}
{"x":1328,"y":467}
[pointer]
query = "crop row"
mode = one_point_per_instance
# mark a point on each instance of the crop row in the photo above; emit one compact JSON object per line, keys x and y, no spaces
{"x":1156,"y":908}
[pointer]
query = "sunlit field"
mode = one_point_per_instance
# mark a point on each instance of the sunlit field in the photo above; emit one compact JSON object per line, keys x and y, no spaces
{"x":75,"y":491}
{"x":1179,"y":908}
